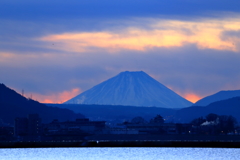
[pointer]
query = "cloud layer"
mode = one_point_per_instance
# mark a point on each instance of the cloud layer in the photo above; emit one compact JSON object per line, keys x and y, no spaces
{"x":205,"y":34}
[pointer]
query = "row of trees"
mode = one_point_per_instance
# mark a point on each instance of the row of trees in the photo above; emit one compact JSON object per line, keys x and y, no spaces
{"x":215,"y":124}
{"x":139,"y":120}
{"x":210,"y":124}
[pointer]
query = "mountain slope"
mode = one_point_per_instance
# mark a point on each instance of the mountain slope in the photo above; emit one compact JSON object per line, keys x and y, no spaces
{"x":222,"y":95}
{"x":225,"y":107}
{"x":14,"y":105}
{"x":131,"y":88}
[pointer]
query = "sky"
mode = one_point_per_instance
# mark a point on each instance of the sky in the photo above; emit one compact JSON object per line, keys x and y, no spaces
{"x":55,"y":50}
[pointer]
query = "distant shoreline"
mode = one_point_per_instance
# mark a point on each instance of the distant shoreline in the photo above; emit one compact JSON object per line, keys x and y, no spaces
{"x":200,"y":141}
{"x":122,"y":143}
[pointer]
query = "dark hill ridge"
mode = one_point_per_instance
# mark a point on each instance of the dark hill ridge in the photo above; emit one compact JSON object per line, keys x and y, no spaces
{"x":120,"y":113}
{"x":14,"y":105}
{"x":131,"y":89}
{"x":117,"y":113}
{"x":222,"y":95}
{"x":225,"y":107}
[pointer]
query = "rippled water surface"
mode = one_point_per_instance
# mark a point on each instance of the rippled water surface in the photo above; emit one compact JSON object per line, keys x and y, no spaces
{"x":120,"y":153}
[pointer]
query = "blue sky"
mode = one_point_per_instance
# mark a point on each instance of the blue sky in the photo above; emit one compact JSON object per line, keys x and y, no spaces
{"x":55,"y":50}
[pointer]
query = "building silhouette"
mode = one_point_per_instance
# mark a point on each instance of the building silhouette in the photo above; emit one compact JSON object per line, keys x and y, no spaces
{"x":21,"y":126}
{"x":34,"y":124}
{"x":28,"y":126}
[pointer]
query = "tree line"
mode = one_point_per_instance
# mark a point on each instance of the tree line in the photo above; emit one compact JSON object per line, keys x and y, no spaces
{"x":210,"y":124}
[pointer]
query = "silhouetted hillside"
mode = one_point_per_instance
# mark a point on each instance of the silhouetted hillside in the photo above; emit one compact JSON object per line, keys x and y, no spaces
{"x":14,"y":105}
{"x":222,"y":95}
{"x":225,"y":107}
{"x":117,"y":113}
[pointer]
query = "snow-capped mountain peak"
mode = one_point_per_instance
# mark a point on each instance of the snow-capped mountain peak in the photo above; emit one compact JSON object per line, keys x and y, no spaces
{"x":131,"y":88}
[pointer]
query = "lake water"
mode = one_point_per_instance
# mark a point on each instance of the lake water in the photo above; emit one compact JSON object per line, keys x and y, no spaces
{"x":120,"y":154}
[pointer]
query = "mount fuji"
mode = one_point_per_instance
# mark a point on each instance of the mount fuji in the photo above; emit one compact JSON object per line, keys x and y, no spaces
{"x":132,"y":89}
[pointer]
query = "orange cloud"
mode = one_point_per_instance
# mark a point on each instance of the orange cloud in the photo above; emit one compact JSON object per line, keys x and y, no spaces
{"x":58,"y":97}
{"x":206,"y":34}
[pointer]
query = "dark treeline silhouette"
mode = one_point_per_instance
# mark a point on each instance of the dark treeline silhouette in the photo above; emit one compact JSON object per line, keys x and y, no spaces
{"x":211,"y":127}
{"x":214,"y":124}
{"x":211,"y":124}
{"x":140,"y":120}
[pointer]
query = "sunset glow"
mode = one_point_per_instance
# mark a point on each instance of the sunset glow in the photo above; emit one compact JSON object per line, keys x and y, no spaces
{"x":66,"y":95}
{"x":192,"y":97}
{"x":58,"y":97}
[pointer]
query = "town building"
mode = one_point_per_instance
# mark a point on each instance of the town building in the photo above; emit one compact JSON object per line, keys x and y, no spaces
{"x":21,"y":126}
{"x":153,"y":128}
{"x":28,"y":128}
{"x":74,"y":127}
